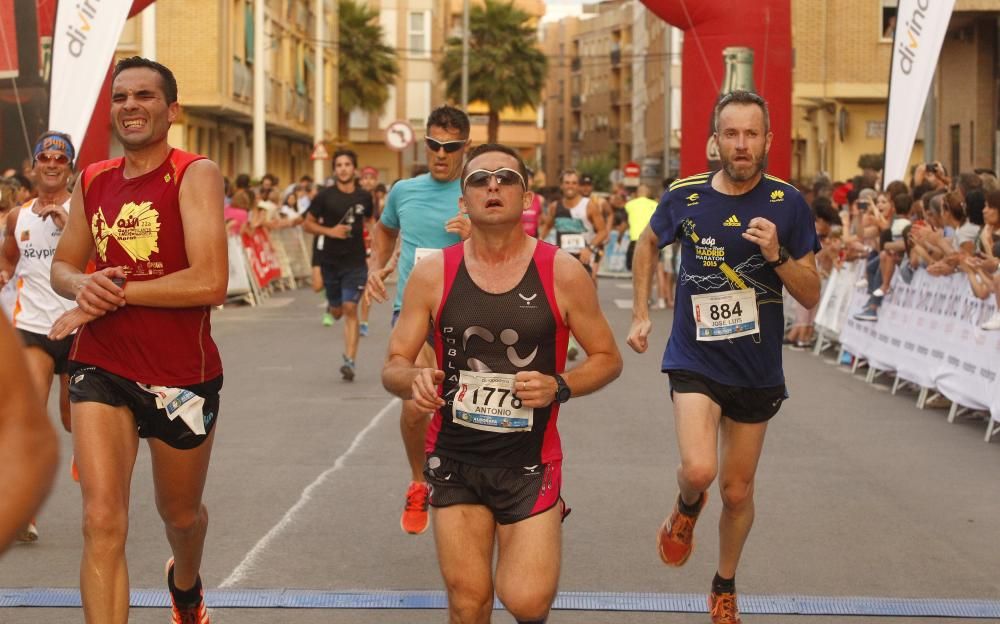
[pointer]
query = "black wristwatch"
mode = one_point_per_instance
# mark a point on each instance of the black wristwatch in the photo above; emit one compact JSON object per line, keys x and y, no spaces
{"x":562,"y":390}
{"x":782,"y":258}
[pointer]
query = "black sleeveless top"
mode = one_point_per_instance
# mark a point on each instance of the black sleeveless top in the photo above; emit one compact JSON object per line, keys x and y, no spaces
{"x":519,"y":330}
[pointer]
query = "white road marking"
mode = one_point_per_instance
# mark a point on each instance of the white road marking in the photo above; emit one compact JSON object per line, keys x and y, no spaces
{"x":241,"y":571}
{"x":624,"y":286}
{"x":623,"y":304}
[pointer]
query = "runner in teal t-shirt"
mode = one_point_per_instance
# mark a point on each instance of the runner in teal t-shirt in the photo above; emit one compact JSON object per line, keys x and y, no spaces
{"x":424,"y":210}
{"x":418,"y":210}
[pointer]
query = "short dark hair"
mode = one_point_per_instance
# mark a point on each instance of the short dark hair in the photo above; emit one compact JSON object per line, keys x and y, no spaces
{"x":243,"y":181}
{"x":975,"y":201}
{"x":897,"y":187}
{"x":741,"y":97}
{"x":345,"y":152}
{"x":902,"y":202}
{"x":486,"y":148}
{"x":169,"y":83}
{"x":449,"y":118}
{"x":824,"y":211}
{"x":566,"y":172}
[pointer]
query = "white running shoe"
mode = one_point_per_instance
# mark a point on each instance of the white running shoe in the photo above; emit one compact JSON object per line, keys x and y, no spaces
{"x":993,"y":323}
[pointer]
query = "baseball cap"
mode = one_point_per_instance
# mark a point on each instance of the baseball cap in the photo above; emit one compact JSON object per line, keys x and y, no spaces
{"x":586,"y":179}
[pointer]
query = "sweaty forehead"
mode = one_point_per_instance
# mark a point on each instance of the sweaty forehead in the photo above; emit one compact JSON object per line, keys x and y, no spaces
{"x":742,"y":116}
{"x":137,"y":79}
{"x":444,"y":134}
{"x":492,"y":161}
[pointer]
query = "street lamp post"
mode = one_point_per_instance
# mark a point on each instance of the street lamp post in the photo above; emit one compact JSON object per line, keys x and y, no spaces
{"x":465,"y":56}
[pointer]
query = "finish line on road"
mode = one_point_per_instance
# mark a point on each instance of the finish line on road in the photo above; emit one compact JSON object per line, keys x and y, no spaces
{"x":566,"y":601}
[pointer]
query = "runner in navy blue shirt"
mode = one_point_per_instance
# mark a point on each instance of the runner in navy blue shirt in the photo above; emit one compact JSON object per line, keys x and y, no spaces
{"x":744,"y":235}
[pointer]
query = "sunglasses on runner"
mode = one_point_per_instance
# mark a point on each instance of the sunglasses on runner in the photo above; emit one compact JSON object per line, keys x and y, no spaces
{"x":60,"y":159}
{"x":480,"y":178}
{"x":450,"y":147}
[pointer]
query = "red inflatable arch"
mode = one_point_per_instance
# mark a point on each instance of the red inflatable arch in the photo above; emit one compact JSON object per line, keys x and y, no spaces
{"x":710,"y":27}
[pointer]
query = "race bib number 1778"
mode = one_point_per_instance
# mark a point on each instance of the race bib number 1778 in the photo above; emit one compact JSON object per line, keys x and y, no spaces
{"x":486,"y":401}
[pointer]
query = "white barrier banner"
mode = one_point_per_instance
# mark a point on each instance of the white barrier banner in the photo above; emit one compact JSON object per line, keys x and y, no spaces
{"x":920,"y":30}
{"x":836,"y":299}
{"x":928,"y":332}
{"x":83,"y":45}
{"x":239,"y":276}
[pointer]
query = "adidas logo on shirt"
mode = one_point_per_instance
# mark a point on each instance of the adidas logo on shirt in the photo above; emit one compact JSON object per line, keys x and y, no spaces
{"x":732,"y":222}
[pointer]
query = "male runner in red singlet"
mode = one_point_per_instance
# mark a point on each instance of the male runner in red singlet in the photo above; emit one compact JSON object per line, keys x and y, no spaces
{"x":502,"y":306}
{"x":144,"y":364}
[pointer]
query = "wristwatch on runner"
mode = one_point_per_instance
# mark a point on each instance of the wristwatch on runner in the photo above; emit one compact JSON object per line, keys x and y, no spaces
{"x":562,"y":390}
{"x":782,"y":258}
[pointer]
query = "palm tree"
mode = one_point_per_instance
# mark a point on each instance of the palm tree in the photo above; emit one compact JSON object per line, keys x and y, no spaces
{"x":367,"y":66}
{"x":506,"y":68}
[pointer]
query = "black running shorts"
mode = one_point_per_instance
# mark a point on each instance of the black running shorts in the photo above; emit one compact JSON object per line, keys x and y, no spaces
{"x":745,"y":405}
{"x":89,"y":383}
{"x":512,"y":494}
{"x":58,"y":350}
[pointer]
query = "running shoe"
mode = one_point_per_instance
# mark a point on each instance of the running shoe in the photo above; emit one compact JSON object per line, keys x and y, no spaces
{"x":879,"y":292}
{"x":184,"y":614}
{"x":675,"y":540}
{"x":28,"y":534}
{"x":327,"y":319}
{"x":869,"y":313}
{"x":363,"y":330}
{"x":993,"y":323}
{"x":722,"y":607}
{"x":73,"y":471}
{"x":347,"y":369}
{"x":415,"y":517}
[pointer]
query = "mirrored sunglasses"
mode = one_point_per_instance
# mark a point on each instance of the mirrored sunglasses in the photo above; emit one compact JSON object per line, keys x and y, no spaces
{"x":450,"y":147}
{"x":60,"y":159}
{"x":504,"y":176}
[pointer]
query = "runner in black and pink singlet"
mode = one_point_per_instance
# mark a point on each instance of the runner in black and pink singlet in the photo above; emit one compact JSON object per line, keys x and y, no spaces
{"x":503,"y":306}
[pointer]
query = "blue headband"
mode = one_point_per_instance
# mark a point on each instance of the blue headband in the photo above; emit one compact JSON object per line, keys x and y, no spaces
{"x":54,"y":143}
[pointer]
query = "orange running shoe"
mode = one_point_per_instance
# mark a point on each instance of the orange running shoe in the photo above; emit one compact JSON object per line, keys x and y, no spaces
{"x":722,"y":607}
{"x":73,"y":470}
{"x":675,"y":540}
{"x":187,"y":614}
{"x":415,"y":517}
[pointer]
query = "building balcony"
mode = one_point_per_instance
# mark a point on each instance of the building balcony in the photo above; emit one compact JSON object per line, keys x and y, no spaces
{"x":575,"y":64}
{"x":614,"y":134}
{"x":616,"y":57}
{"x":576,"y":136}
{"x":576,"y":101}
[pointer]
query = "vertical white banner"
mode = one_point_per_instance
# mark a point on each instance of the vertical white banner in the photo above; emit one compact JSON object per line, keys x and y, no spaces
{"x":87,"y":32}
{"x":920,"y":30}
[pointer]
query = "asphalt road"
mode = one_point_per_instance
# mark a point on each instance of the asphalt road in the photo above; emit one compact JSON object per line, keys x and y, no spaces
{"x":858,"y":494}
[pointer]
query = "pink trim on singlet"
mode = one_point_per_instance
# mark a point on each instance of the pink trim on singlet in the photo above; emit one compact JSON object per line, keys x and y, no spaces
{"x":545,"y":255}
{"x":452,"y":260}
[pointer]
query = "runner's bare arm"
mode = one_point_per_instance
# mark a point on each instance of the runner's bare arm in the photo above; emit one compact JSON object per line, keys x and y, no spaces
{"x":643,"y":264}
{"x":576,"y":297}
{"x":595,"y":212}
{"x":400,"y":375}
{"x":546,"y":220}
{"x":10,"y":253}
{"x":799,"y":275}
{"x":383,"y":247}
{"x":95,"y":293}
{"x":29,"y":450}
{"x":205,"y":280}
{"x":313,"y":226}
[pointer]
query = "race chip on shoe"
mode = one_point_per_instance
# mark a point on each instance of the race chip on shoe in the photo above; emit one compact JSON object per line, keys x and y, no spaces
{"x":180,"y":403}
{"x":724,"y":315}
{"x":486,"y":401}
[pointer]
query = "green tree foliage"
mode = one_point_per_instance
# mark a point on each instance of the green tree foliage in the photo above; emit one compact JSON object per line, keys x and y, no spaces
{"x":599,"y":168}
{"x":367,"y":67}
{"x":506,"y":68}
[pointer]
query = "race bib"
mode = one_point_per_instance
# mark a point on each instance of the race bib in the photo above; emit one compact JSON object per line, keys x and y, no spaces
{"x":725,"y":315}
{"x":572,"y":243}
{"x":421,"y":253}
{"x":486,"y":401}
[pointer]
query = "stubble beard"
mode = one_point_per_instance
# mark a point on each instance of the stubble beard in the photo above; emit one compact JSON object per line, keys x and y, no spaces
{"x":756,"y":166}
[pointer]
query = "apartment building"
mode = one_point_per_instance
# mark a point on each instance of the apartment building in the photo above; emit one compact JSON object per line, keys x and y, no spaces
{"x":209,"y":47}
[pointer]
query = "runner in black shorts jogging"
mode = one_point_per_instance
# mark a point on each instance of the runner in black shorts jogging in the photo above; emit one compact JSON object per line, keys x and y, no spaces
{"x":744,"y":234}
{"x":503,"y":305}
